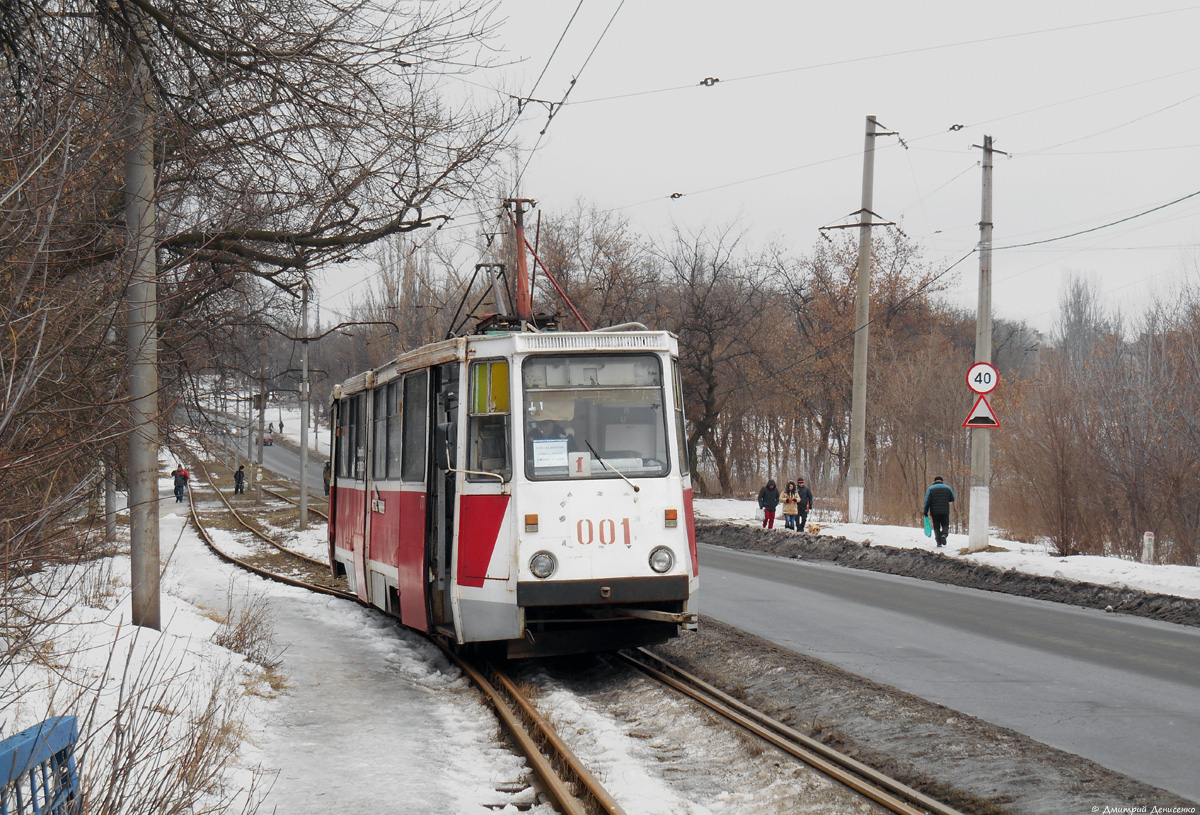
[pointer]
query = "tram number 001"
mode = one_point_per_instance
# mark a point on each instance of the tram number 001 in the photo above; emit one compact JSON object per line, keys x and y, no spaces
{"x":587,"y":531}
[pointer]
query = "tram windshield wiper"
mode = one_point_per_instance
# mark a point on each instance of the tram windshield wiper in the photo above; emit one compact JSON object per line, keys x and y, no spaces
{"x":606,"y":465}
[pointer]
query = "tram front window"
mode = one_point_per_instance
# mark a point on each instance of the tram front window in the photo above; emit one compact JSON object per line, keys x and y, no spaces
{"x":594,"y":416}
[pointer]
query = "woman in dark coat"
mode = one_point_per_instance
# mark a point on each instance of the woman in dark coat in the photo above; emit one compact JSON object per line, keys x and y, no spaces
{"x":768,"y":499}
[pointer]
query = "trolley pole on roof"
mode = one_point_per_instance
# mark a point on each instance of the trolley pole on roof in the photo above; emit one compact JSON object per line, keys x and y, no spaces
{"x":981,"y":437}
{"x":862,"y":313}
{"x":524,"y":292}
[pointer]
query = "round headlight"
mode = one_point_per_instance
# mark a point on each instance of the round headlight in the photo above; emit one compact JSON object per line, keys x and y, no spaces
{"x":542,"y":564}
{"x":661,"y":559}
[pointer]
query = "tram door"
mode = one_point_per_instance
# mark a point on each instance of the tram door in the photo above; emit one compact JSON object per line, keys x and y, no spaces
{"x":353,"y":452}
{"x":442,"y":491}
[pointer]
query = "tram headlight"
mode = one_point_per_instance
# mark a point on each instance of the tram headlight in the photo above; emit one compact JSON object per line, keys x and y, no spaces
{"x":661,"y":559}
{"x":542,"y":565}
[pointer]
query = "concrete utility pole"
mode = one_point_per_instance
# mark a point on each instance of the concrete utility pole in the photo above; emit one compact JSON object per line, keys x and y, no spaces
{"x":304,"y":407}
{"x":141,"y":297}
{"x":981,"y":437}
{"x":862,"y":315}
{"x":262,"y":415}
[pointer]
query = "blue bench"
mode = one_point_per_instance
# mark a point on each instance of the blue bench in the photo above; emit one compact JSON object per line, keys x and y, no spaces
{"x":38,"y":772}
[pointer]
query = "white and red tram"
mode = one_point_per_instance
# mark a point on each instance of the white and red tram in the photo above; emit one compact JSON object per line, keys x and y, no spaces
{"x":529,"y":489}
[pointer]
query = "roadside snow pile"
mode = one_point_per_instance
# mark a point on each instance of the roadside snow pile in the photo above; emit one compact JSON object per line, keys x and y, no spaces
{"x":1031,"y":559}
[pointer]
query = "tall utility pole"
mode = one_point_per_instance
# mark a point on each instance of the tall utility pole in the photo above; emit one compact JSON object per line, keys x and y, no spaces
{"x":262,"y":416}
{"x":981,"y":437}
{"x":141,"y":296}
{"x":862,"y":317}
{"x":304,"y":407}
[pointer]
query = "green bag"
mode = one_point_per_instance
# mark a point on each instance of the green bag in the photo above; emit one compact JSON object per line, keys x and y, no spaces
{"x":928,"y":527}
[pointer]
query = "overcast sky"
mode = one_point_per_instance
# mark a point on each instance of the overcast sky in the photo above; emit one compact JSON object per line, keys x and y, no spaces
{"x":1098,"y":104}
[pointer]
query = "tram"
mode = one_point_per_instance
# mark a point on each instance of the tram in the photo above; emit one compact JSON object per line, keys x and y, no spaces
{"x":520,"y":487}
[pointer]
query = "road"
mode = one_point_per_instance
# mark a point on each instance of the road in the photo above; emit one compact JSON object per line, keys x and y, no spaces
{"x":285,"y":461}
{"x":1119,"y":690}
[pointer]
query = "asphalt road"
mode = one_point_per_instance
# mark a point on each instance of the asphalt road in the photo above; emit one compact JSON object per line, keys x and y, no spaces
{"x":285,"y":461}
{"x":1121,"y":691}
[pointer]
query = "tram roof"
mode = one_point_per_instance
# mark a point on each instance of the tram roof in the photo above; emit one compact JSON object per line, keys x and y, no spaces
{"x":509,"y":344}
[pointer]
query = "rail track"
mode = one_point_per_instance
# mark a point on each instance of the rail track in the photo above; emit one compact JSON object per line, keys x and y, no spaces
{"x":563,"y":778}
{"x":570,"y":787}
{"x":318,"y":579}
{"x":883,"y":790}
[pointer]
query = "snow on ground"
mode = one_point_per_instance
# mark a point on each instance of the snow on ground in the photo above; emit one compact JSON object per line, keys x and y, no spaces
{"x":1031,"y":558}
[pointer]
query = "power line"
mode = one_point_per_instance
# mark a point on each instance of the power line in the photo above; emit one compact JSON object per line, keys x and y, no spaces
{"x":889,"y":54}
{"x":1102,"y":226}
{"x":554,"y":109}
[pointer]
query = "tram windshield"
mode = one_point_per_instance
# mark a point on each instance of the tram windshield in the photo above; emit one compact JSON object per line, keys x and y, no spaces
{"x":594,"y":416}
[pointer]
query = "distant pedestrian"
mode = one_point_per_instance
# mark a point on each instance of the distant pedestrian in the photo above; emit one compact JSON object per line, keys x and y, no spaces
{"x":326,"y":472}
{"x":181,"y":478}
{"x":938,"y":499}
{"x":768,"y":500}
{"x":270,"y":427}
{"x":791,"y":505}
{"x":804,"y":505}
{"x":281,"y":425}
{"x":239,"y":480}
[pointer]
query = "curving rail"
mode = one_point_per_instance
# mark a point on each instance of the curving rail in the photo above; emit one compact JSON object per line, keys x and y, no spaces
{"x":571,"y":789}
{"x":278,"y":578}
{"x":254,"y":530}
{"x":881,"y":789}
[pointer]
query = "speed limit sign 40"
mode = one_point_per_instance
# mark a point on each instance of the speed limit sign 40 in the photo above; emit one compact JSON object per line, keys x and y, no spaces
{"x":983,"y":377}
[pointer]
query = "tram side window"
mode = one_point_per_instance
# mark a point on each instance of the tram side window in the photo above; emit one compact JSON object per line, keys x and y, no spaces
{"x":488,"y":434}
{"x":379,"y":439}
{"x":358,"y":435}
{"x":344,"y":442}
{"x":416,"y":405}
{"x":394,"y":406}
{"x":680,"y":421}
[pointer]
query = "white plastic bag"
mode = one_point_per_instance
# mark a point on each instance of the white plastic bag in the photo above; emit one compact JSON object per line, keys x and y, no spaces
{"x":760,"y":514}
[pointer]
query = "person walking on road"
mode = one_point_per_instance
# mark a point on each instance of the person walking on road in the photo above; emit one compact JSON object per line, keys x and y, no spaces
{"x":239,"y":480}
{"x":768,"y":499}
{"x":791,"y":505}
{"x":181,"y":478}
{"x":938,"y":499}
{"x":326,"y":473}
{"x":804,"y":505}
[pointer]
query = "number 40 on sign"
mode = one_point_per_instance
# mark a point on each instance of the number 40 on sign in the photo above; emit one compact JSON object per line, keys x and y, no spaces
{"x":982,"y":377}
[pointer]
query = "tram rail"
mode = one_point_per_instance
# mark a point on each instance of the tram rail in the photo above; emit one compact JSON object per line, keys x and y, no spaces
{"x":569,"y":786}
{"x":889,"y":793}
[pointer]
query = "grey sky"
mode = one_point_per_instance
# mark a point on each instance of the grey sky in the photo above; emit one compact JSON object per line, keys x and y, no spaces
{"x":1099,"y":111}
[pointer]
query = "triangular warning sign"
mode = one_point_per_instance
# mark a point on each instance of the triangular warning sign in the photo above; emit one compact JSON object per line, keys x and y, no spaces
{"x":981,"y":415}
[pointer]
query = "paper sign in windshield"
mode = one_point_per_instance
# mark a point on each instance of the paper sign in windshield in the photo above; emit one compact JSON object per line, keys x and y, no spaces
{"x":549,"y":453}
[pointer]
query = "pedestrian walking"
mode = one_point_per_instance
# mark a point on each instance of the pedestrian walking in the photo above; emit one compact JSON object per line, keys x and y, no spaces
{"x":326,"y":473}
{"x":938,"y":499}
{"x":768,"y":500}
{"x":804,"y":505}
{"x":270,"y":427}
{"x":181,"y":478}
{"x":791,"y":505}
{"x":239,"y":480}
